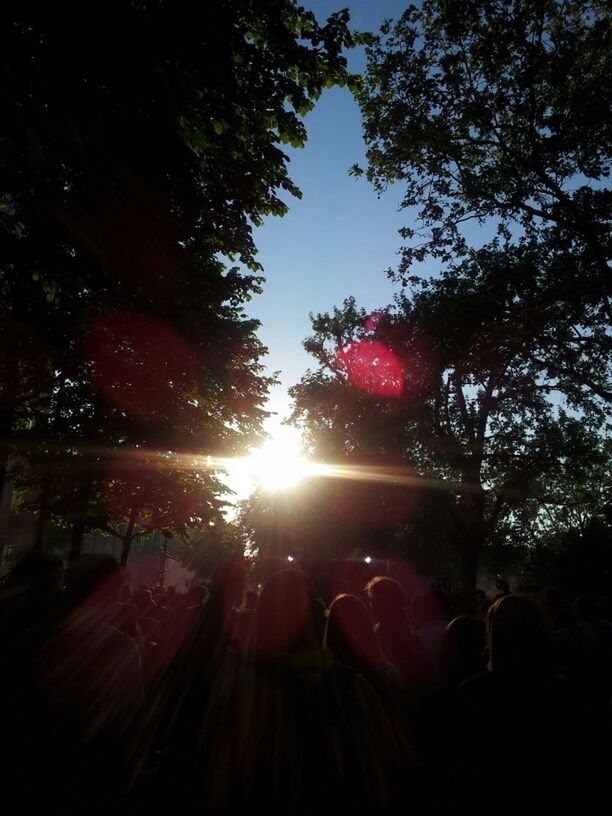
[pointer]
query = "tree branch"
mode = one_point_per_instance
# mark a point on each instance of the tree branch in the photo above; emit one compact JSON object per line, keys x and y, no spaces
{"x":465,"y":417}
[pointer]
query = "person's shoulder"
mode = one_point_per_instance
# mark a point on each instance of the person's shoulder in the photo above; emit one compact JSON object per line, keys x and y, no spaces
{"x":476,"y":685}
{"x":114,"y":637}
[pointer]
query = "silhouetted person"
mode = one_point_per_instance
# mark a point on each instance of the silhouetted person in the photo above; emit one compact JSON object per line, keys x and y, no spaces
{"x":583,"y":650}
{"x":430,"y":615}
{"x":30,"y":595}
{"x":296,"y":732}
{"x":451,"y":781}
{"x":483,"y":602}
{"x":350,"y":637}
{"x":79,"y":699}
{"x":502,"y":586}
{"x":188,"y":676}
{"x":124,"y":616}
{"x":462,"y":652}
{"x":145,"y":604}
{"x":95,"y":667}
{"x":125,"y":595}
{"x":523,"y":721}
{"x":401,"y":647}
{"x":31,"y":602}
{"x":244,"y":618}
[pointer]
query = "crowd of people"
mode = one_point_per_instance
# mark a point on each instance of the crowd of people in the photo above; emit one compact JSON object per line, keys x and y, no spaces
{"x":227,"y":699}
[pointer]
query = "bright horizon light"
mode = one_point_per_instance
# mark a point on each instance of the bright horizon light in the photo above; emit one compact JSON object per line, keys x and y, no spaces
{"x":278,"y":464}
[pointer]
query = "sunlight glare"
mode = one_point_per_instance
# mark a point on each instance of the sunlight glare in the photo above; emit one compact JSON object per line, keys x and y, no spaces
{"x":279,"y":463}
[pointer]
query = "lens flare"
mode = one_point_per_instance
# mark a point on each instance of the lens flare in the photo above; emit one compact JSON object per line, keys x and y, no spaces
{"x":277,"y":465}
{"x":140,"y":365}
{"x":372,"y":368}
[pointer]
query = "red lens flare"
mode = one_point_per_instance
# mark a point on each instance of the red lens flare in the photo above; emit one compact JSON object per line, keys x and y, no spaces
{"x":140,"y":365}
{"x":373,"y":319}
{"x":372,"y":368}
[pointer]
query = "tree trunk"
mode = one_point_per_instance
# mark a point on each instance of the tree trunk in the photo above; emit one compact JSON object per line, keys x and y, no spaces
{"x":76,"y":539}
{"x":39,"y":531}
{"x":6,"y":424}
{"x":474,"y":536}
{"x":41,"y":519}
{"x":128,"y":537}
{"x":80,"y":516}
{"x":125,"y":550}
{"x":468,"y":571}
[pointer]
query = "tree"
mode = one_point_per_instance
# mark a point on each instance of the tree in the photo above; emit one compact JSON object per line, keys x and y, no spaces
{"x":137,"y":155}
{"x":496,"y":110}
{"x":576,"y":560}
{"x":207,"y":551}
{"x":450,"y":386}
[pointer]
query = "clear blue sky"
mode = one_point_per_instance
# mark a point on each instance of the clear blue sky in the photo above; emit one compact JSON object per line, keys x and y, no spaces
{"x":339,"y":239}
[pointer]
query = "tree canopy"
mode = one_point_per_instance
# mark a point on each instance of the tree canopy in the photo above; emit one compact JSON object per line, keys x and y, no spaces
{"x":138,"y":152}
{"x":495,"y":109}
{"x":493,"y":380}
{"x":455,"y":400}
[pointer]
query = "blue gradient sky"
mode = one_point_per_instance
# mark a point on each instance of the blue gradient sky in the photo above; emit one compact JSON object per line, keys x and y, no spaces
{"x":339,"y":239}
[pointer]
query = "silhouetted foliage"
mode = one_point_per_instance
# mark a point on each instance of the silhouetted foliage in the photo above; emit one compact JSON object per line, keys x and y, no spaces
{"x":492,"y":381}
{"x":137,"y":153}
{"x":498,"y":112}
{"x":487,"y":109}
{"x":478,"y":422}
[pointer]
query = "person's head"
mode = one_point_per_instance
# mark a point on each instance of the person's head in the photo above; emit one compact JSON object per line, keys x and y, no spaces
{"x":286,"y":614}
{"x":517,"y":635}
{"x":143,"y":600}
{"x":125,"y":617}
{"x":32,"y":590}
{"x":93,"y":582}
{"x":586,"y":608}
{"x":250,"y":599}
{"x":196,"y":595}
{"x":387,"y":599}
{"x":37,"y":572}
{"x":227,"y":582}
{"x":463,"y":649}
{"x":125,"y":596}
{"x":349,"y":634}
{"x":502,"y":584}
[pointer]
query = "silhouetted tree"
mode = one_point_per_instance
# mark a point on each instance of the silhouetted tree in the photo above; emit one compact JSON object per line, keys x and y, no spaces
{"x":465,"y":407}
{"x":137,"y":154}
{"x":487,"y":109}
{"x":493,"y":380}
{"x":498,"y":112}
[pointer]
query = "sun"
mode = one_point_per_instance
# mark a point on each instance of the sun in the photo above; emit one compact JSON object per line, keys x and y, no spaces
{"x":279,"y":464}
